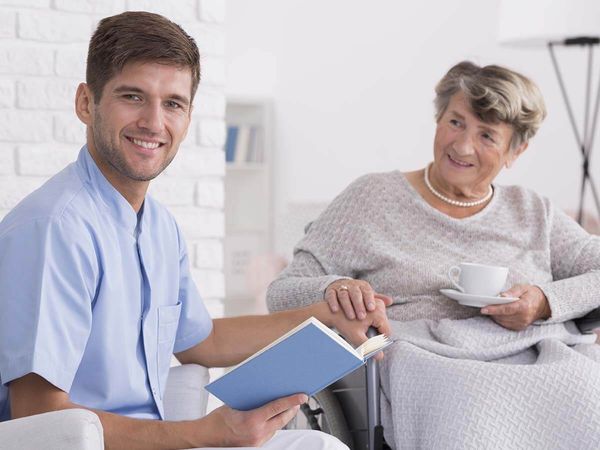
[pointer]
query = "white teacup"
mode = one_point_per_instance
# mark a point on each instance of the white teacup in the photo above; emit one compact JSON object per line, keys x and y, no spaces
{"x":478,"y":279}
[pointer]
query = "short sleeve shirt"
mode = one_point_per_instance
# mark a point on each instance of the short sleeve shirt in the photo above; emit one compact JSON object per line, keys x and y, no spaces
{"x":94,"y":297}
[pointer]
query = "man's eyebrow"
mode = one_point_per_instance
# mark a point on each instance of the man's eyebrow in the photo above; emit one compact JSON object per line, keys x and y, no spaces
{"x":125,"y":88}
{"x":133,"y":89}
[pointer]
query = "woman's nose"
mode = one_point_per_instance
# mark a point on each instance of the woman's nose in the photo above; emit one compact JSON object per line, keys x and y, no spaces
{"x":151,"y":118}
{"x":463,"y":145}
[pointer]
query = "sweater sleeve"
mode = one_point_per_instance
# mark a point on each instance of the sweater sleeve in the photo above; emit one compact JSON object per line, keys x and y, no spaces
{"x":329,"y":251}
{"x":575,"y":263}
{"x":302,"y":283}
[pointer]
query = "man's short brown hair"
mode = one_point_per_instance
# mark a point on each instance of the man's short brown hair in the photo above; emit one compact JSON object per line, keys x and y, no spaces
{"x":138,"y":36}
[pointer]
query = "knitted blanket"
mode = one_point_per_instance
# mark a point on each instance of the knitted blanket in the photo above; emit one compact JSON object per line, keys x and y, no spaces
{"x":472,"y":384}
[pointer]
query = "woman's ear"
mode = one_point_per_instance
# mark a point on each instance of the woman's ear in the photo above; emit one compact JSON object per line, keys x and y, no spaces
{"x":513,"y":154}
{"x":84,"y":103}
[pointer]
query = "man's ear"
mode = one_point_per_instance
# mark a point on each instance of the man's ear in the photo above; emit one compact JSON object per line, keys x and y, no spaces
{"x":513,"y":154}
{"x":84,"y":103}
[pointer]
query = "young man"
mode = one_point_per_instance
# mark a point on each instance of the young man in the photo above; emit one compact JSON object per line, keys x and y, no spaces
{"x":95,"y":290}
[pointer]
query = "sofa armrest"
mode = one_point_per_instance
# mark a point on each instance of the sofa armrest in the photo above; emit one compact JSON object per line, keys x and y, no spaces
{"x":68,"y":429}
{"x":185,"y":397}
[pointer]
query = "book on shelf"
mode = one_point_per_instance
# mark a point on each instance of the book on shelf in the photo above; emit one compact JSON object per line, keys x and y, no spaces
{"x":306,"y":360}
{"x":243,"y":144}
{"x":230,"y":143}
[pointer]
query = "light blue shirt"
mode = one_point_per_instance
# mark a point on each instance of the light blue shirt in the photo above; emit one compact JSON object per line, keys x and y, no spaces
{"x":91,"y":298}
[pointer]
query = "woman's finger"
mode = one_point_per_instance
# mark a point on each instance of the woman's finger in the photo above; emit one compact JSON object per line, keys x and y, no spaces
{"x":368,"y":297}
{"x":332,"y":300}
{"x":345,"y":303}
{"x":356,"y":297}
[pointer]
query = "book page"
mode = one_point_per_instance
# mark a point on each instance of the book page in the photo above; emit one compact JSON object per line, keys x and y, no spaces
{"x":373,"y":345}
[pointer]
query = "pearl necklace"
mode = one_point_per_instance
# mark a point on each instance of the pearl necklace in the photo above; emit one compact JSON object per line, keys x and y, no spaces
{"x":455,"y":202}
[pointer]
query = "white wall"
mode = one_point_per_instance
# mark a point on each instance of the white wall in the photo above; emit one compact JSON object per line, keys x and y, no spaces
{"x":43,"y":46}
{"x":352,"y":84}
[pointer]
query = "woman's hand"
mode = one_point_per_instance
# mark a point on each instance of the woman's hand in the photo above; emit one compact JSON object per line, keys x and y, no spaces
{"x":518,"y":315}
{"x":355,"y":330}
{"x":354,"y":297}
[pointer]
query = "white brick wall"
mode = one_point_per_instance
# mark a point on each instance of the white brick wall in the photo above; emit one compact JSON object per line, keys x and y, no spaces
{"x":43,"y":45}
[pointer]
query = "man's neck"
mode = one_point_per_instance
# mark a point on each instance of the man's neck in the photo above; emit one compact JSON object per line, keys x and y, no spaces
{"x":133,"y":192}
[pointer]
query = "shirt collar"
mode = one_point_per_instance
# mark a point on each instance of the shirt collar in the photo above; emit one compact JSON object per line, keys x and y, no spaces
{"x":116,"y":205}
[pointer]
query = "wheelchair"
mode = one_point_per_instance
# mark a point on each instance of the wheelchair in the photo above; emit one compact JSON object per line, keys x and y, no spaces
{"x":349,"y":409}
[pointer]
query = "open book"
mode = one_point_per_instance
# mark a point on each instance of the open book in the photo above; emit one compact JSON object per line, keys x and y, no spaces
{"x":305,"y":360}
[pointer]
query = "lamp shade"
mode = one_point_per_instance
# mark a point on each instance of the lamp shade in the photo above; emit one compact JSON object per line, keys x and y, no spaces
{"x":537,"y":22}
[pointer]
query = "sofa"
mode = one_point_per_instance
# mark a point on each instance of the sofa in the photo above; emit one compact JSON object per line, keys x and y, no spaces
{"x":80,"y":429}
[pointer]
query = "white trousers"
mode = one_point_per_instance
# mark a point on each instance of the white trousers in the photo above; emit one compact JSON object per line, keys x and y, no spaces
{"x":298,"y":440}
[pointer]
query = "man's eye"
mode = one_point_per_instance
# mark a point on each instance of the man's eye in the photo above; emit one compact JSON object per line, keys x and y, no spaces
{"x":174,"y":105}
{"x":134,"y":97}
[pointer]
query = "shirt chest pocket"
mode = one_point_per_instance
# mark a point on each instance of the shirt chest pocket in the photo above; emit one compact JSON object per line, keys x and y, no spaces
{"x":168,"y":321}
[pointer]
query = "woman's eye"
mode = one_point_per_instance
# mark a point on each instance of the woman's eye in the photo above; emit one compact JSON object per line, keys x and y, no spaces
{"x":487,"y":137}
{"x":454,"y":122}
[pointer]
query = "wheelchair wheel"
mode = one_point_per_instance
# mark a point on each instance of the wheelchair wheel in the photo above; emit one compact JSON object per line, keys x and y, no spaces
{"x":323,"y":413}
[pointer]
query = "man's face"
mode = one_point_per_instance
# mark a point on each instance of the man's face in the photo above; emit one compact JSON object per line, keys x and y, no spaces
{"x":141,"y":119}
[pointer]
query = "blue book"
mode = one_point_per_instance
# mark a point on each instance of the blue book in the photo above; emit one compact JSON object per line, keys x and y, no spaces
{"x":231,"y":143}
{"x":305,"y":360}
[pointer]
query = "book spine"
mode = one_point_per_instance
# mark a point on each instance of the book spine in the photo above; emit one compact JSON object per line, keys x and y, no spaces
{"x":231,"y":143}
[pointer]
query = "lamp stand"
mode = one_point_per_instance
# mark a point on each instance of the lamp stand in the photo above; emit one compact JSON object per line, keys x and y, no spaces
{"x":589,"y":127}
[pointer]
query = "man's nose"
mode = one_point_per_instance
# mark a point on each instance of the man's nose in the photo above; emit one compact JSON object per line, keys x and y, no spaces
{"x":151,"y":118}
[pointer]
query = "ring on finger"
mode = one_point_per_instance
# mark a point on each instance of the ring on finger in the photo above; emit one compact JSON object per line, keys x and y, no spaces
{"x":343,"y":287}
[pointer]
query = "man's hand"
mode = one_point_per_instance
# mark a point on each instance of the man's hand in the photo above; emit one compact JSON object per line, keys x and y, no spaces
{"x":518,"y":315}
{"x":355,"y":331}
{"x":233,"y":428}
{"x":354,"y":297}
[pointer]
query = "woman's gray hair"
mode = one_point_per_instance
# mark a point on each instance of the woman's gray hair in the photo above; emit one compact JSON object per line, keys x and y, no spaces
{"x":495,"y":94}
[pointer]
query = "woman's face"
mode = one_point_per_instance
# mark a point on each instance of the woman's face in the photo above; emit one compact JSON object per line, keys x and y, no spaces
{"x":469,"y":153}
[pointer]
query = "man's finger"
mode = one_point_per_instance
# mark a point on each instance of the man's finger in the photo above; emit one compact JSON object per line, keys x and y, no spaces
{"x":280,"y":405}
{"x":382,"y":324}
{"x":387,"y":300}
{"x":280,"y":420}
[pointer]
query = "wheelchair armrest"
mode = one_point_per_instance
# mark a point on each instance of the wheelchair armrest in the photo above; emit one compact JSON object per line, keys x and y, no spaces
{"x":589,"y":322}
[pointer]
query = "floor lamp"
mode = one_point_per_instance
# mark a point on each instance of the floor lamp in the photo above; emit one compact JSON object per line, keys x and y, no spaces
{"x":574,"y":23}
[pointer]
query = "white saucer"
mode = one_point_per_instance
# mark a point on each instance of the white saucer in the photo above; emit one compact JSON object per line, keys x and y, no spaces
{"x":477,"y":301}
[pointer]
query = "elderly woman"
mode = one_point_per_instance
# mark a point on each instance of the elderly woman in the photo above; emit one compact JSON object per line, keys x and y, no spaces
{"x":506,"y":375}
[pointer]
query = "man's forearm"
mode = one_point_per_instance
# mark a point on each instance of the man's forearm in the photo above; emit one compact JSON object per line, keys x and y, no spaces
{"x":32,"y":394}
{"x":236,"y":338}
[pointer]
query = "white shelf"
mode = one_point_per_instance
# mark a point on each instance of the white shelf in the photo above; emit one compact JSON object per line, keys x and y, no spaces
{"x":248,"y":207}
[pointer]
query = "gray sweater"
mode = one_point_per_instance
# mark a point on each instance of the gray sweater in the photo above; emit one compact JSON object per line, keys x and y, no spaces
{"x":380,"y":229}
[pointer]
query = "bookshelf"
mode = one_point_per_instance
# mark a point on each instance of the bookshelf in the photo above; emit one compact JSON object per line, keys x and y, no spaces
{"x":248,"y":199}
